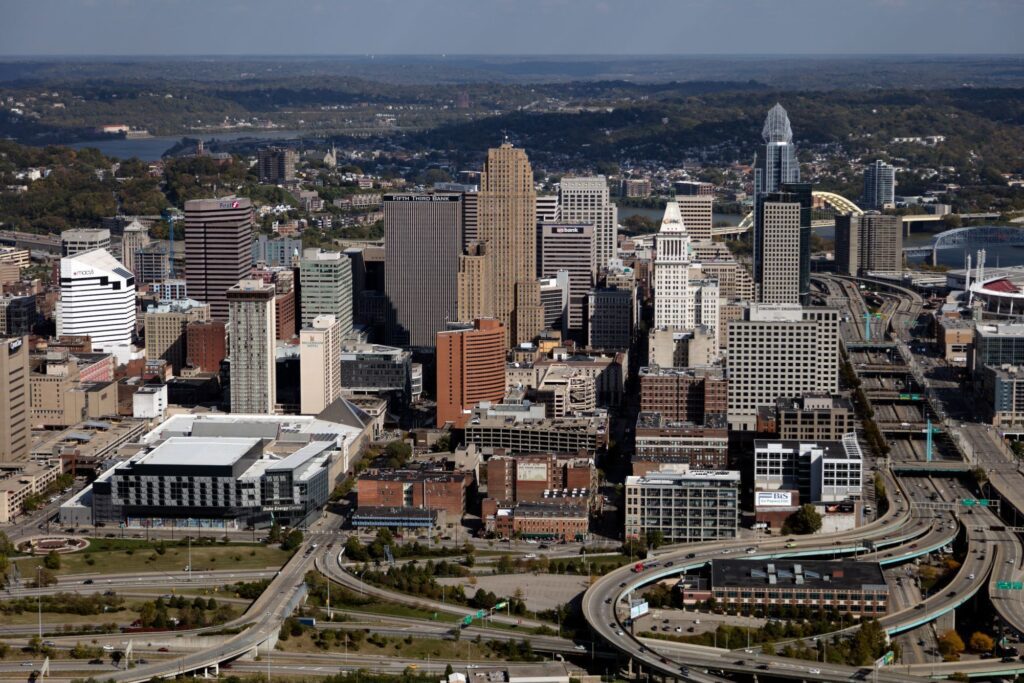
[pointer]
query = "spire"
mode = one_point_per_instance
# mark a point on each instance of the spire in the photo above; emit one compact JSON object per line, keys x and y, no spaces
{"x":776,"y":126}
{"x":672,"y":221}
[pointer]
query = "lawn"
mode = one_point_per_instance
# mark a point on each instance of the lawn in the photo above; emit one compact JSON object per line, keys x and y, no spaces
{"x":114,"y":556}
{"x":405,"y":648}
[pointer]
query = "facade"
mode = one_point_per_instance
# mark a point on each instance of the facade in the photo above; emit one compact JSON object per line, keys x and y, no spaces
{"x":205,"y":345}
{"x":218,"y":249}
{"x":871,"y":242}
{"x":998,"y":344}
{"x":879,"y":185}
{"x":554,"y":297}
{"x":152,"y":264}
{"x":21,"y":480}
{"x":80,"y":240}
{"x":1001,"y":390}
{"x":15,"y":411}
{"x":570,"y":248}
{"x":536,"y":477}
{"x":525,"y":428}
{"x":507,"y":222}
{"x":776,"y":351}
{"x":683,"y":394}
{"x":674,"y":347}
{"x":415,"y":488}
{"x":423,"y":233}
{"x":586,"y":200}
{"x":610,"y":318}
{"x":673,"y":296}
{"x":17,"y":315}
{"x":278,"y":252}
{"x":815,"y":417}
{"x":777,"y":250}
{"x":97,"y":298}
{"x":823,"y":471}
{"x":134,"y":238}
{"x":277,"y":164}
{"x":685,"y":506}
{"x":852,"y":588}
{"x":696,"y":211}
{"x":546,"y":209}
{"x":778,"y":163}
{"x":320,"y":364}
{"x":560,"y":519}
{"x":473,"y":282}
{"x":325,"y":280}
{"x":166,"y":326}
{"x":375,"y":369}
{"x":470,"y":369}
{"x":664,"y":444}
{"x":252,"y":348}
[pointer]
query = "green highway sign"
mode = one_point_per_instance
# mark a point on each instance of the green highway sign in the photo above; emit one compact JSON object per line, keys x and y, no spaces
{"x":501,"y":605}
{"x":481,"y":613}
{"x":971,"y":502}
{"x":1010,"y":585}
{"x":467,"y":620}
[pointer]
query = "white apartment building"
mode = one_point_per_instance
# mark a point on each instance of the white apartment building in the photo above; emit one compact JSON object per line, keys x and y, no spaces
{"x":687,"y":506}
{"x":320,"y":364}
{"x":586,"y":200}
{"x":823,"y":471}
{"x":779,"y":350}
{"x":97,"y":298}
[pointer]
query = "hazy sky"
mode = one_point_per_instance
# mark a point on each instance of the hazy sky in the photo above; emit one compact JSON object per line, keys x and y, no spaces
{"x":184,"y":27}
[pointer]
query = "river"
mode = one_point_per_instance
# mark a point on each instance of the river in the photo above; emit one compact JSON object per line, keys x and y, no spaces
{"x":657,"y":214}
{"x":151,"y":149}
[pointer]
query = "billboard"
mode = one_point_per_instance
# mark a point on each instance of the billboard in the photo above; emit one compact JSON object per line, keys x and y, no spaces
{"x":770,"y":499}
{"x":532,"y":471}
{"x":637,"y":608}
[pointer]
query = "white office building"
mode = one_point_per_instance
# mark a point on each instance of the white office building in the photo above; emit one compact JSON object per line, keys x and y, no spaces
{"x":687,"y":506}
{"x":586,"y":200}
{"x":673,"y":294}
{"x":97,"y":298}
{"x":823,"y":471}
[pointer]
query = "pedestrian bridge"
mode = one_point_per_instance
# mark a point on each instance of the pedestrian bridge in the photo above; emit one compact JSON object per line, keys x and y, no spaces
{"x":968,"y":238}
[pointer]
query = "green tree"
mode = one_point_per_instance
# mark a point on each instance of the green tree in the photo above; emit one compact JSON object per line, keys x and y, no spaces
{"x":655,"y":537}
{"x":52,"y":560}
{"x":805,"y":520}
{"x":292,"y":541}
{"x":397,"y":453}
{"x":275,"y":533}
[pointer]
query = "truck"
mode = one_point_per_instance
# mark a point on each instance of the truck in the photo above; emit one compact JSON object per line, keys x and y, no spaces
{"x":307,"y":621}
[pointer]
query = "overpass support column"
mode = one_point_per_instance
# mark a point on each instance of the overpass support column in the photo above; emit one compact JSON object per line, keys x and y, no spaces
{"x":935,"y":256}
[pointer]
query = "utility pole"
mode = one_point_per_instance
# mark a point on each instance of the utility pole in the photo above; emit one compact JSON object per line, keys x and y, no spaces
{"x":39,"y":601}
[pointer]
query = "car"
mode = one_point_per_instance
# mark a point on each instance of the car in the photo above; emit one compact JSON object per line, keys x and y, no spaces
{"x":87,"y":582}
{"x":669,"y":564}
{"x":622,"y":585}
{"x":763,"y":667}
{"x":97,"y":660}
{"x":690,"y":556}
{"x":581,"y":648}
{"x":685,"y":671}
{"x":919,"y":605}
{"x":26,"y":663}
{"x":413,"y":666}
{"x":679,"y":629}
{"x":921,"y":642}
{"x":664,"y":621}
{"x":970,"y":577}
{"x":696,"y":621}
{"x":607,"y":601}
{"x":751,"y":550}
{"x":814,"y":672}
{"x":749,"y":652}
{"x":108,"y":648}
{"x":951,"y":594}
{"x":1010,"y":561}
{"x":790,"y":544}
{"x":162,"y":649}
{"x":654,"y":627}
{"x":618,"y":632}
{"x":142,"y":660}
{"x":1008,"y":659}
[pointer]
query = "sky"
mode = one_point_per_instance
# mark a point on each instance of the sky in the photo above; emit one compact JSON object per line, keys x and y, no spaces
{"x":482,"y":27}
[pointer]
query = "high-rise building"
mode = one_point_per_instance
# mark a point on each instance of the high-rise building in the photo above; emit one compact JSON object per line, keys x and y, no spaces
{"x":778,"y":164}
{"x":686,"y":506}
{"x":610,"y":318}
{"x":166,"y":329}
{"x":547,"y":208}
{"x":80,"y":240}
{"x":586,"y":200}
{"x":320,"y":364}
{"x":474,"y":283}
{"x":507,"y":222}
{"x":776,"y":351}
{"x":205,"y":345}
{"x":135,"y":237}
{"x":251,"y":348}
{"x":97,"y":298}
{"x":423,"y":233}
{"x":277,"y":164}
{"x":871,"y":242}
{"x":151,"y":264}
{"x":697,"y":212}
{"x":218,"y":249}
{"x":277,"y":252}
{"x":17,"y":315}
{"x":673,"y":296}
{"x":554,"y":296}
{"x":570,"y":248}
{"x":14,"y":399}
{"x":777,"y":249}
{"x":879,"y":185}
{"x":470,"y":369}
{"x":325,"y":287}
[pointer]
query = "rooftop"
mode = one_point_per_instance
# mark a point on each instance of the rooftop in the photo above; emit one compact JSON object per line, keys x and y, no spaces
{"x":684,"y":476}
{"x":199,"y":451}
{"x":809,"y":573}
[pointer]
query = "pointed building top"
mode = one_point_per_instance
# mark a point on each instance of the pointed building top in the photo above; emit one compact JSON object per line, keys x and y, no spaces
{"x":673,"y":220}
{"x":776,"y":126}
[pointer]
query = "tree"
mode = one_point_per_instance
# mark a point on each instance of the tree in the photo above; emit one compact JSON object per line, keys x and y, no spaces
{"x":397,"y":453}
{"x":443,"y":444}
{"x":52,"y":560}
{"x":951,"y":644}
{"x":275,"y":533}
{"x":44,"y":577}
{"x":981,"y":642}
{"x":292,"y":541}
{"x":655,"y":537}
{"x":806,"y":520}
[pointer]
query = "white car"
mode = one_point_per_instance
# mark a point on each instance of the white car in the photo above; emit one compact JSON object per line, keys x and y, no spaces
{"x":814,"y":672}
{"x":970,"y":577}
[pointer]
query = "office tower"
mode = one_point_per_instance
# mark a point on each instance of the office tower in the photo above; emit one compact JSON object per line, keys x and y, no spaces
{"x":673,"y":296}
{"x":778,"y":164}
{"x":135,"y":237}
{"x":277,"y":252}
{"x":320,"y":364}
{"x":687,"y":188}
{"x":251,"y":347}
{"x":706,"y":305}
{"x":547,"y":208}
{"x":17,"y":315}
{"x":879,"y":185}
{"x":205,"y":345}
{"x":97,"y":298}
{"x":570,"y":248}
{"x":474,"y":283}
{"x":81,"y":240}
{"x":777,"y":249}
{"x":470,"y":369}
{"x":529,"y":309}
{"x":872,"y":242}
{"x":14,"y":399}
{"x":696,"y":211}
{"x":554,"y":296}
{"x":586,"y":200}
{"x":277,"y":164}
{"x":507,"y":222}
{"x":151,"y":264}
{"x":470,"y":216}
{"x":166,"y":324}
{"x":610,"y":318}
{"x":218,"y":249}
{"x":423,"y":234}
{"x":325,"y":279}
{"x":776,"y":351}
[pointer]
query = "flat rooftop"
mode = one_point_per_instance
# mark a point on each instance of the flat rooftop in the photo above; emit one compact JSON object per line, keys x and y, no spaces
{"x":199,"y":451}
{"x":808,"y":573}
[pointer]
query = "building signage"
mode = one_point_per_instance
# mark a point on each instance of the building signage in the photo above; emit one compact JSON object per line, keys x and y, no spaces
{"x":637,"y":609}
{"x":81,"y":273}
{"x":14,"y":345}
{"x":773,"y":499}
{"x":422,"y":198}
{"x":532,"y":471}
{"x":571,"y":229}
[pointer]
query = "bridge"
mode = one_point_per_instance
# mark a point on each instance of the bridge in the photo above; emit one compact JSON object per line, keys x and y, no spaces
{"x":833,"y":202}
{"x":968,"y":238}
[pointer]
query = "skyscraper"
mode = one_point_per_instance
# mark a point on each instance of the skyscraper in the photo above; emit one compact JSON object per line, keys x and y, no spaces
{"x":507,"y":223}
{"x":586,"y":200}
{"x":470,"y":369}
{"x":474,"y":283}
{"x":14,"y":399}
{"x":325,"y":287}
{"x":779,"y":164}
{"x":423,"y":233}
{"x":697,"y":212}
{"x":673,"y":296}
{"x":218,"y":249}
{"x":251,"y":347}
{"x":777,"y":249}
{"x":570,"y":248}
{"x":870,"y":242}
{"x":81,"y":240}
{"x":320,"y":364}
{"x":97,"y":298}
{"x":135,"y":237}
{"x":277,"y":164}
{"x":879,"y":185}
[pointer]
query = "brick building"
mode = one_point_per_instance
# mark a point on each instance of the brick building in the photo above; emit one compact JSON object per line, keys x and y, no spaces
{"x":683,"y":394}
{"x":531,"y":477}
{"x":427,"y":489}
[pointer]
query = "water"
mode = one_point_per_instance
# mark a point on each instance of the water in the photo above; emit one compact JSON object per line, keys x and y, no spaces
{"x":657,"y":214}
{"x":151,"y":149}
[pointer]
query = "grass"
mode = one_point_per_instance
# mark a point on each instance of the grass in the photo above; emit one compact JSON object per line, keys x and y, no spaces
{"x":116,"y":556}
{"x":52,"y":621}
{"x":390,"y":609}
{"x":405,"y":648}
